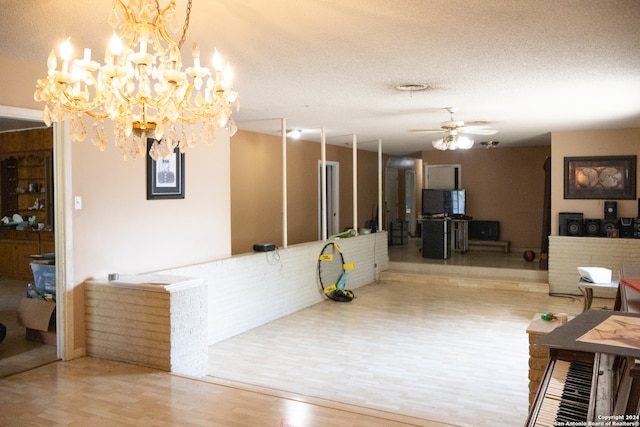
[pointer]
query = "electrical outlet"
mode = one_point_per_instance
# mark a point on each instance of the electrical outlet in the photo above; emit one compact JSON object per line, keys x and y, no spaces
{"x":77,"y":202}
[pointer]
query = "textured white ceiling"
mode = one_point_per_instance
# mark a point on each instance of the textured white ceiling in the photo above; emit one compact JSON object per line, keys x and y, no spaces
{"x":527,"y":67}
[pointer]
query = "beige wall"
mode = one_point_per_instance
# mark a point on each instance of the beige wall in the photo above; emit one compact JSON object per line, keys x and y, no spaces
{"x":502,"y":184}
{"x":606,"y":142}
{"x":19,"y":82}
{"x":256,"y":189}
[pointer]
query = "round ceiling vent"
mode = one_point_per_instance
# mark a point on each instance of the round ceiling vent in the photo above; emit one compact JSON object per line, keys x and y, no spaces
{"x":412,"y":87}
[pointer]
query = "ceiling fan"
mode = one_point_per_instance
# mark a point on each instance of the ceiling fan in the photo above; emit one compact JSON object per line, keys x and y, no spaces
{"x":458,"y":126}
{"x":452,"y":140}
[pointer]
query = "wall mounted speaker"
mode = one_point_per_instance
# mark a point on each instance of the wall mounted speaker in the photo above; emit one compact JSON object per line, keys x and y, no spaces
{"x":627,"y":227}
{"x":610,"y":210}
{"x":592,"y":227}
{"x":565,"y":217}
{"x":608,"y":225}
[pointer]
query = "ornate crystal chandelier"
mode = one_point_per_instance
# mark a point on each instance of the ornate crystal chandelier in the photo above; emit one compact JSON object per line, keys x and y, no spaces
{"x":452,"y":141}
{"x":141,"y":86}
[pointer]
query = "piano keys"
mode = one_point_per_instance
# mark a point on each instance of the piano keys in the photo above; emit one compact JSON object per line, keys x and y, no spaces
{"x":585,"y":381}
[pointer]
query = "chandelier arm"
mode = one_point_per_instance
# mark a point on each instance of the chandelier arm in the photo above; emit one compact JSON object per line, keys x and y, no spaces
{"x":162,"y":28}
{"x":96,"y":115}
{"x":69,"y":103}
{"x":127,"y":15}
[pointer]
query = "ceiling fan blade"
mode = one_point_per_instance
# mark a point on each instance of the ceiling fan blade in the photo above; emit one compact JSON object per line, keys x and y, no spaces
{"x":426,"y":130}
{"x":479,"y":131}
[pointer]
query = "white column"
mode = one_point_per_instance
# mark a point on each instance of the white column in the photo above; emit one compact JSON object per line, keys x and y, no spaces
{"x":355,"y":183}
{"x":323,"y":183}
{"x":379,"y":185}
{"x":284,"y":184}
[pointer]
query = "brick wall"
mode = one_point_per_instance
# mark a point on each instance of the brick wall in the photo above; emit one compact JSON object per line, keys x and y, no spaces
{"x":568,"y":253}
{"x":249,"y":290}
{"x":153,"y":321}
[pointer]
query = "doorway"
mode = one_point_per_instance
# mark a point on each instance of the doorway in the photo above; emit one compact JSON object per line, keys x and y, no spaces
{"x":390,"y":195}
{"x":17,"y":353}
{"x":442,"y":177}
{"x":410,"y":200}
{"x":331,"y":212}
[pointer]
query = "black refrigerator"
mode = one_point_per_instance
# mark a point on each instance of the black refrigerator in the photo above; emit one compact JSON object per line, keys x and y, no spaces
{"x":435,"y":238}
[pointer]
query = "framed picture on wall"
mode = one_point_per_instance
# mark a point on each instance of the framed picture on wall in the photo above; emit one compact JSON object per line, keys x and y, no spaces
{"x":165,"y":177}
{"x":604,"y":177}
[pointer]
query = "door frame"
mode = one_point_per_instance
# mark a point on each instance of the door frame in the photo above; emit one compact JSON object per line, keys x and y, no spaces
{"x":411,"y":216}
{"x":333,"y":198}
{"x":62,"y":224}
{"x":391,"y":208}
{"x":456,"y":170}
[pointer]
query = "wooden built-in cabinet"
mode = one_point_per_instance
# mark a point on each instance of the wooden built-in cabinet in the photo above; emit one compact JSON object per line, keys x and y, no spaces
{"x":26,"y":189}
{"x":26,"y":175}
{"x":25,"y":186}
{"x":17,"y":246}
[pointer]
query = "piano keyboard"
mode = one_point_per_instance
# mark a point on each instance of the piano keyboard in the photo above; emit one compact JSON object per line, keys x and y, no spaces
{"x":567,"y":395}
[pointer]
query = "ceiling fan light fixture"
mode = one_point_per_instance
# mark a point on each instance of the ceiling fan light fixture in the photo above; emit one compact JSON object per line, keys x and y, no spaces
{"x":490,"y":144}
{"x":464,"y":143}
{"x":451,"y":141}
{"x":439,"y":144}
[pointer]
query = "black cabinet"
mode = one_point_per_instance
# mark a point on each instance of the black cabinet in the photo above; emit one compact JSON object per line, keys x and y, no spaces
{"x":435,"y":238}
{"x":399,"y":232}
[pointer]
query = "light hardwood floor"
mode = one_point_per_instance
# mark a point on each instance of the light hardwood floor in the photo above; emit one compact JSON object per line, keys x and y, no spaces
{"x":426,"y":351}
{"x":425,"y":348}
{"x":18,"y":354}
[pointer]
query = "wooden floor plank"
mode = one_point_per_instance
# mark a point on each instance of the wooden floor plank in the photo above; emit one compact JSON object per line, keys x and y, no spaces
{"x":426,"y":349}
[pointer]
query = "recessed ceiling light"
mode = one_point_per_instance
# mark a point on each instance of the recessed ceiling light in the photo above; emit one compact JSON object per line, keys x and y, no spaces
{"x":294,"y":133}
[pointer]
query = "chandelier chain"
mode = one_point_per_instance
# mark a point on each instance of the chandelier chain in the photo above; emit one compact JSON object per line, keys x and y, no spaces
{"x":186,"y":25}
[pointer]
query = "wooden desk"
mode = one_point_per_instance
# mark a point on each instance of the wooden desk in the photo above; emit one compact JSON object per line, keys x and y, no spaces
{"x":586,"y":288}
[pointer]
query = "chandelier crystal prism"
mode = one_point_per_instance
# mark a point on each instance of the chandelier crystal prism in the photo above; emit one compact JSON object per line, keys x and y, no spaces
{"x":141,"y":86}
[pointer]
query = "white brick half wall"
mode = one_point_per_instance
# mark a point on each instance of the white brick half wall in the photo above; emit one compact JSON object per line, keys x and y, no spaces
{"x":150,"y":320}
{"x":568,"y":253}
{"x":249,"y":290}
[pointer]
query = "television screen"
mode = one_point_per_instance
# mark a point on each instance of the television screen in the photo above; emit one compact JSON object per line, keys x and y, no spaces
{"x":448,"y":202}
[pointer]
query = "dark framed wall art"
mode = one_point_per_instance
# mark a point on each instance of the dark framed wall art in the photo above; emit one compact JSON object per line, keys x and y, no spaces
{"x":165,"y":177}
{"x":603,"y":177}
